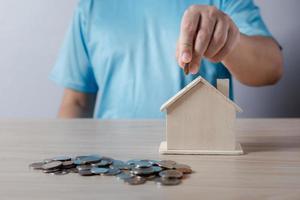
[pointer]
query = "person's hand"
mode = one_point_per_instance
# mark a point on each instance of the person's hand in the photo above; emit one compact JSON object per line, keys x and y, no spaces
{"x":205,"y":32}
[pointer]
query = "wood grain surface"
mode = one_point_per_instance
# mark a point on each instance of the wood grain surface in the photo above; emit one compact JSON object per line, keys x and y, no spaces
{"x":270,"y":169}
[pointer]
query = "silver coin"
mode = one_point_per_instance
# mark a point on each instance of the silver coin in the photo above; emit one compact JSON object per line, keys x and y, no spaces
{"x":50,"y":171}
{"x":47,"y":160}
{"x":124,"y":175}
{"x":139,"y":163}
{"x":84,"y":167}
{"x":120,"y":164}
{"x":99,"y":170}
{"x":37,"y":165}
{"x":73,"y":170}
{"x":143,"y":171}
{"x":52,"y":165}
{"x":79,"y":160}
{"x":157,"y":169}
{"x":107,"y":159}
{"x":102,"y":163}
{"x":168,"y":164}
{"x":61,"y":158}
{"x":185,"y":169}
{"x":112,"y":172}
{"x":153,"y":162}
{"x":96,"y":155}
{"x":61,"y":172}
{"x":135,"y":180}
{"x":85,"y":173}
{"x":168,"y":181}
{"x":132,"y":162}
{"x":79,"y":157}
{"x":68,"y":164}
{"x":143,"y":164}
{"x":170,"y":174}
{"x":90,"y":159}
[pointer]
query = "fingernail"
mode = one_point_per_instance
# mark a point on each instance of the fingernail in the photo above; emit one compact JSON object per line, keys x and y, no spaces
{"x":186,"y":57}
{"x":194,"y":70}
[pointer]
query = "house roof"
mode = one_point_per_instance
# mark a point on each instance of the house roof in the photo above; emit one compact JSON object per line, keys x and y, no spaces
{"x":190,"y":86}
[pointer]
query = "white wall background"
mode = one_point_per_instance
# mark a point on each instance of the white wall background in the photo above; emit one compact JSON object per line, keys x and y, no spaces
{"x":31,"y":32}
{"x":282,"y":100}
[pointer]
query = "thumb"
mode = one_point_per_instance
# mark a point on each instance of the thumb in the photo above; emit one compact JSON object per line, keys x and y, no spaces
{"x":186,"y":53}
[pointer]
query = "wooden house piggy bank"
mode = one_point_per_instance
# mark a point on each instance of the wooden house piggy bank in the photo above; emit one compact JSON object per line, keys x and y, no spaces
{"x":200,"y":120}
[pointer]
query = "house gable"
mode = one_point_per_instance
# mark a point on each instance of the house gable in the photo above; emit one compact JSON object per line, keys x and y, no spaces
{"x":191,"y":85}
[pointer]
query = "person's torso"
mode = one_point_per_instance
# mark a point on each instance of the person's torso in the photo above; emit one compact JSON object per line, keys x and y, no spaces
{"x":131,"y":45}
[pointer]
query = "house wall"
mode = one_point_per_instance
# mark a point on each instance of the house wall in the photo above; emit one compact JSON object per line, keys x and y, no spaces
{"x":206,"y":121}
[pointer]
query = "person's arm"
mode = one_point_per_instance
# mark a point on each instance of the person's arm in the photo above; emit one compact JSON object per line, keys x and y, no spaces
{"x":77,"y":104}
{"x":207,"y":32}
{"x":255,"y":61}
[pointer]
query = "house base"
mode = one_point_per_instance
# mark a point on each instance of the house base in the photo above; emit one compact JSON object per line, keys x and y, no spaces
{"x":164,"y":150}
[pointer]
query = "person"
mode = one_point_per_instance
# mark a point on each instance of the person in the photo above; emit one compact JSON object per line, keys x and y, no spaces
{"x":118,"y":57}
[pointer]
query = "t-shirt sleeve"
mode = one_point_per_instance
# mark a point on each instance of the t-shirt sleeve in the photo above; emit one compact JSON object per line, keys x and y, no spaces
{"x":73,"y":68}
{"x":246,"y":16}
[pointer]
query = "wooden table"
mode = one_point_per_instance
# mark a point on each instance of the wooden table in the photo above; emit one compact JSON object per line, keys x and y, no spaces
{"x":270,"y":169}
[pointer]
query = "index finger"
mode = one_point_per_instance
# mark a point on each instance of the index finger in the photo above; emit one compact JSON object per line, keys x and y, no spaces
{"x":188,"y":30}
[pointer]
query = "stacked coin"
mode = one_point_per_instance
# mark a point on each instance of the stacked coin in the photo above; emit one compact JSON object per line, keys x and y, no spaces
{"x":133,"y":172}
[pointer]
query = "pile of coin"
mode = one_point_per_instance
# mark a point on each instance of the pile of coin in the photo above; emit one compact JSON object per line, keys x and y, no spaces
{"x":133,"y":172}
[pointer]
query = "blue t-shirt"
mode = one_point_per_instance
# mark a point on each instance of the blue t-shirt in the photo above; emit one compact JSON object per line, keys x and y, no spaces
{"x":125,"y":52}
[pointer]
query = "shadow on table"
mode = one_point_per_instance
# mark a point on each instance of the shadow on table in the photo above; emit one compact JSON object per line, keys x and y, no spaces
{"x":273,"y":143}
